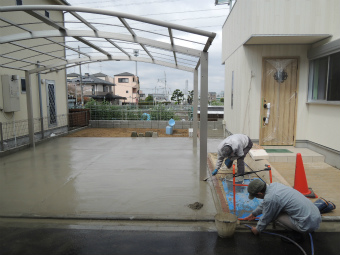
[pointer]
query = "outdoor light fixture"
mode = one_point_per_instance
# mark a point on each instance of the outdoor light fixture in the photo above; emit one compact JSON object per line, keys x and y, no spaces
{"x":136,"y":53}
{"x":280,"y":76}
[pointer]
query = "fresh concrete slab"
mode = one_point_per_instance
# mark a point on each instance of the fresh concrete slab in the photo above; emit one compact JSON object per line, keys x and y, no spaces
{"x":110,"y":178}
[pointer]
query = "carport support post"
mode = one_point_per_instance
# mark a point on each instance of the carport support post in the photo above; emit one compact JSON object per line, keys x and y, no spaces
{"x":204,"y":115}
{"x":195,"y":122}
{"x":29,"y":109}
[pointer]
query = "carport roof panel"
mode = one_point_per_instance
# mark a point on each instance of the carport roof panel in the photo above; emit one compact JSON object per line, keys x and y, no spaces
{"x":270,"y":39}
{"x":95,"y":44}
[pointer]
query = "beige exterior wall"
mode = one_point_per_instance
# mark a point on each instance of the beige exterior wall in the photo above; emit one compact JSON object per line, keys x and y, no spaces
{"x":316,"y":123}
{"x":58,"y":78}
{"x":128,"y":90}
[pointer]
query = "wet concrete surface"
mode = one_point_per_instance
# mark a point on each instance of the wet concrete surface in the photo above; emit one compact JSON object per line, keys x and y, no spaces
{"x":116,"y":178}
{"x":77,"y":239}
{"x":126,"y":180}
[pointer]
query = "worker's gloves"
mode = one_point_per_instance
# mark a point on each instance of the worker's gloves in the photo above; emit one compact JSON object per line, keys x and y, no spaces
{"x":228,"y":162}
{"x":214,"y":172}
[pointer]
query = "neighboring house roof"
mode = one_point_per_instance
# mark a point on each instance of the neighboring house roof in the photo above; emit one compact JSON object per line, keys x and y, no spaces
{"x":91,"y":79}
{"x":72,"y":75}
{"x":100,"y":75}
{"x":125,"y":74}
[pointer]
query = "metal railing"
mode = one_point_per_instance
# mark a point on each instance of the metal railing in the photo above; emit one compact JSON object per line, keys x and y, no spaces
{"x":15,"y":133}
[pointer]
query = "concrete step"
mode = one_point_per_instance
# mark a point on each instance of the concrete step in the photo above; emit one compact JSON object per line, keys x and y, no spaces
{"x":308,"y":156}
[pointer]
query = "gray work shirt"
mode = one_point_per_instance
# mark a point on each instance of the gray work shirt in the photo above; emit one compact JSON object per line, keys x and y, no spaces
{"x":281,"y":198}
{"x":237,"y":142}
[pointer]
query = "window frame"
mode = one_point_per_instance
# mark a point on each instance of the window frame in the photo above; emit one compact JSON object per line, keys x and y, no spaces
{"x":122,"y":80}
{"x":22,"y":82}
{"x":311,"y":84}
{"x":325,"y":50}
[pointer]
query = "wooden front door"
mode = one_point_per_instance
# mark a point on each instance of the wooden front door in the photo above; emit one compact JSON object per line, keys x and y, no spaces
{"x":279,"y":100}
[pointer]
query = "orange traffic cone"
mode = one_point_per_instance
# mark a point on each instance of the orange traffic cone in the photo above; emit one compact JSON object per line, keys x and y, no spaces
{"x":300,"y":181}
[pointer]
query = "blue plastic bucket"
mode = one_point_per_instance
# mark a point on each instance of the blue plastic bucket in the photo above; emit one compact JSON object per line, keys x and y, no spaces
{"x":321,"y":203}
{"x":330,"y":207}
{"x":172,"y":122}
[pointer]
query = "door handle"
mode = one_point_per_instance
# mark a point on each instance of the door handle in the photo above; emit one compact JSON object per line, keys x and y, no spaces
{"x":266,"y":119}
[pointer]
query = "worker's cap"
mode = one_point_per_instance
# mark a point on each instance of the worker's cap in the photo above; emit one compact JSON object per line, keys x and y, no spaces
{"x":226,"y":151}
{"x":255,"y":187}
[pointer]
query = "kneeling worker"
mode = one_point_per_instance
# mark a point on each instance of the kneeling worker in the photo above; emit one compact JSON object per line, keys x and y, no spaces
{"x":285,"y":205}
{"x":233,"y":147}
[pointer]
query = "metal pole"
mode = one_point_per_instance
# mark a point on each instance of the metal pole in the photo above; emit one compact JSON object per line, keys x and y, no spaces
{"x":29,"y":109}
{"x":204,"y":115}
{"x":2,"y":138}
{"x":40,"y":105}
{"x":195,"y":119}
{"x":81,"y":83}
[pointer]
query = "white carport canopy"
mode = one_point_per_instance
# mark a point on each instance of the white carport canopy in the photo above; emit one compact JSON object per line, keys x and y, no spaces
{"x":49,"y":45}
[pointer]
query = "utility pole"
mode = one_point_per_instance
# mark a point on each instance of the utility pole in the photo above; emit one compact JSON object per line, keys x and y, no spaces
{"x":136,"y":53}
{"x":165,"y":90}
{"x":81,"y":83}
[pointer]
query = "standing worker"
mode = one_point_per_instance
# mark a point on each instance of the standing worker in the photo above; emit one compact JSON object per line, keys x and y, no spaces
{"x":285,"y":205}
{"x":233,"y":147}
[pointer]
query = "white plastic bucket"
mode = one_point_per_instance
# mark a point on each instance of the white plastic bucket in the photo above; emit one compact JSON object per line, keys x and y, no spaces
{"x":225,"y":224}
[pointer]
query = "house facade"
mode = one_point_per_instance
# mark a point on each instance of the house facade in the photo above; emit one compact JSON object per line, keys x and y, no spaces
{"x":97,"y":86}
{"x":282,"y":73}
{"x":127,"y":85}
{"x":48,"y":90}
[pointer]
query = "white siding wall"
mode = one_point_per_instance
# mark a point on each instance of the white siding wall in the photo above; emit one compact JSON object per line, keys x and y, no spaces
{"x":315,"y":123}
{"x":250,"y":17}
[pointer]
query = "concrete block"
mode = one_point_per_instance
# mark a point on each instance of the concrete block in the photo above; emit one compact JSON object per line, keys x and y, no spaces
{"x":124,"y":124}
{"x":154,"y":134}
{"x":258,"y":154}
{"x":133,"y":123}
{"x":191,"y":130}
{"x":140,"y":124}
{"x":148,"y":134}
{"x":154,"y":124}
{"x":116,"y":123}
{"x":162,"y":124}
{"x":147,"y":124}
{"x":140,"y":135}
{"x":134,"y":134}
{"x":186,"y":124}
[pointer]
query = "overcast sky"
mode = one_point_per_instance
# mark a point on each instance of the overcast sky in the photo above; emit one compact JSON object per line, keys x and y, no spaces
{"x":201,"y":14}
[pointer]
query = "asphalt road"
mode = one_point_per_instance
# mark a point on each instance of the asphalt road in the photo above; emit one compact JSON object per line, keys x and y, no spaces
{"x":35,"y":241}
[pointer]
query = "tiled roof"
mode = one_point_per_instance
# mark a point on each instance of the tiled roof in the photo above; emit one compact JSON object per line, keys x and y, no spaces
{"x":125,"y":74}
{"x":92,"y":80}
